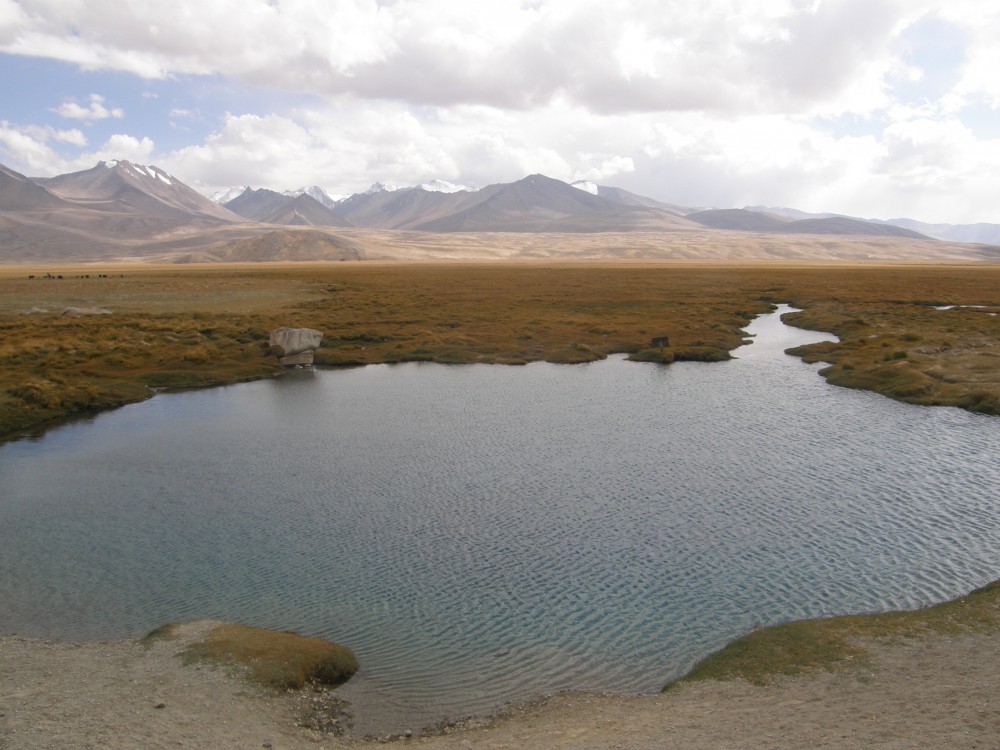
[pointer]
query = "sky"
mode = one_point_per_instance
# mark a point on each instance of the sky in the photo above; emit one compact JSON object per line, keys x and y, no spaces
{"x":871,"y":108}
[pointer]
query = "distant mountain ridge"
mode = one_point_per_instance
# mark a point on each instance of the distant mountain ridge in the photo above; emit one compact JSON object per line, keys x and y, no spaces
{"x":119,"y":209}
{"x":534,"y":204}
{"x":746,"y":220}
{"x":100,"y":212}
{"x":271,"y":207}
{"x":984,"y":233}
{"x":124,"y":186}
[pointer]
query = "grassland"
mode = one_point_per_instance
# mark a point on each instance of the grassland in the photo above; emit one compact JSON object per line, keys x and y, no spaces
{"x":190,"y":326}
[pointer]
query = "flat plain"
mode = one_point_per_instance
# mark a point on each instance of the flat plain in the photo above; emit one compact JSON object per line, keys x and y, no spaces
{"x":131,"y":329}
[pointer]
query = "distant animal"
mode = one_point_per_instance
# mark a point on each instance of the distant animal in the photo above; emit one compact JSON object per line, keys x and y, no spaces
{"x":661,"y":341}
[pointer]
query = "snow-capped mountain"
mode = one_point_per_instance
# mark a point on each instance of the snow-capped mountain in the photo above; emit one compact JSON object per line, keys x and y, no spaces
{"x":317,"y":193}
{"x":135,"y":188}
{"x":432,"y":186}
{"x":380,"y":187}
{"x":224,"y":196}
{"x":120,"y":210}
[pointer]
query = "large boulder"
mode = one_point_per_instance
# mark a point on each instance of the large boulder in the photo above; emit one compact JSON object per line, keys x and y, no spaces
{"x":295,"y":346}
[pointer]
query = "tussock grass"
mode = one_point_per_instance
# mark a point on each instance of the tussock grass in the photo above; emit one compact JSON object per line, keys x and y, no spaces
{"x":273,"y":659}
{"x":196,"y":326}
{"x":840,"y":642}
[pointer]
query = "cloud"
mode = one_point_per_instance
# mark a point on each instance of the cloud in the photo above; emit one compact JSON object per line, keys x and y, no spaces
{"x":120,"y":146}
{"x":347,"y":146}
{"x":29,"y":149}
{"x":842,"y":105}
{"x":27,"y":146}
{"x":95,"y":111}
{"x":630,"y":55}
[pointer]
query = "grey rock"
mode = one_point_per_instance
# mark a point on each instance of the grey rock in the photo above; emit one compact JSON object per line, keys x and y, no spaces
{"x":295,"y":346}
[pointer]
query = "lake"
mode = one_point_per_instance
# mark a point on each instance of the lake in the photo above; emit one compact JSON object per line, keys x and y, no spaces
{"x":479,"y":534}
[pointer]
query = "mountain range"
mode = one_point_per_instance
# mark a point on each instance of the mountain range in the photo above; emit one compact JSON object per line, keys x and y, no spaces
{"x":121,"y":210}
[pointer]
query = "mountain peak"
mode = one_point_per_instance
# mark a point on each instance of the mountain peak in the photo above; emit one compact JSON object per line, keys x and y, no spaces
{"x":381,"y":187}
{"x":315,"y":192}
{"x":125,"y":168}
{"x":224,"y":196}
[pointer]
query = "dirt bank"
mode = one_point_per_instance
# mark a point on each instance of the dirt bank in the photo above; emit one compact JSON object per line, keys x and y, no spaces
{"x":942,"y":691}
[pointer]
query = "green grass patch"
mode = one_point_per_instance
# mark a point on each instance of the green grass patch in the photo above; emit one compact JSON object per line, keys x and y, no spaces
{"x":839,"y":642}
{"x":276,"y":660}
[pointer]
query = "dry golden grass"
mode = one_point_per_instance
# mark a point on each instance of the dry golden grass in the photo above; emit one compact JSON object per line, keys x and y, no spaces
{"x":184,"y":326}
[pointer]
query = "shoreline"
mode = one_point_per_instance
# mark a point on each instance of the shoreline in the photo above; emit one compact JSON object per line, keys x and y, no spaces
{"x":927,"y":689}
{"x":195,"y":327}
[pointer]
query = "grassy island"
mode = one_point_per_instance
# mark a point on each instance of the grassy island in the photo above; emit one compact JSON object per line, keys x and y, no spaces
{"x":278,"y":660}
{"x":141,"y":328}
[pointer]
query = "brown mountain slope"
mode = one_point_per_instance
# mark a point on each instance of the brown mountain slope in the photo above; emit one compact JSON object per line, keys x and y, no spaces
{"x":738,"y":219}
{"x":257,"y":204}
{"x":841,"y":225}
{"x":401,"y":209}
{"x":541,"y":204}
{"x":122,"y":186}
{"x":20,"y":193}
{"x":304,"y":210}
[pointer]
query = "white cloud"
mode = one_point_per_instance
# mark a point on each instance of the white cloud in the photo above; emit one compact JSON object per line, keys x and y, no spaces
{"x":12,"y":19}
{"x":94,"y":111}
{"x":631,"y":55}
{"x":596,"y":167}
{"x":120,"y":146}
{"x":819,"y":104}
{"x":26,"y":151}
{"x":27,"y":147}
{"x":345,"y":147}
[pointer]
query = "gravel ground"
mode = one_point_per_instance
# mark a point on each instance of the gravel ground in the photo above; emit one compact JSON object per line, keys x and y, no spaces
{"x":935,"y":693}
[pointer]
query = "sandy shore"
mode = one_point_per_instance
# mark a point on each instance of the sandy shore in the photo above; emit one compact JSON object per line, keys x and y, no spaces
{"x":943,"y":691}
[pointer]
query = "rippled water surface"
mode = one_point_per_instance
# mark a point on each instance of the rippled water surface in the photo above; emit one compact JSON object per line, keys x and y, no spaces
{"x":479,"y":534}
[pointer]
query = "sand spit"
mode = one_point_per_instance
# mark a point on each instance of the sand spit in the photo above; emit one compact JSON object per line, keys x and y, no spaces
{"x":941,"y":691}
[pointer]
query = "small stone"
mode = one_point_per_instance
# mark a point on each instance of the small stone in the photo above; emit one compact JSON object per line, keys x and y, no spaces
{"x":160,"y":705}
{"x":75,"y":312}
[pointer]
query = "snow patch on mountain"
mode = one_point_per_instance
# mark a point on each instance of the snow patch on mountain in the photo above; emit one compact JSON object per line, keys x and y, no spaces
{"x":316,"y":193}
{"x":224,"y":196}
{"x":432,"y":186}
{"x":381,"y":187}
{"x":139,"y":170}
{"x":443,"y":186}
